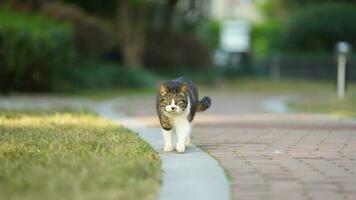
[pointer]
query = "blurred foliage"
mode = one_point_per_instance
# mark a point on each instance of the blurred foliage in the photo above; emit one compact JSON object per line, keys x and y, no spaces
{"x":282,"y":8}
{"x":93,"y":36}
{"x":175,"y":50}
{"x":265,"y":37}
{"x":176,"y":38}
{"x":272,"y":8}
{"x":209,"y":32}
{"x":33,"y":49}
{"x":96,"y":74}
{"x":106,"y":8}
{"x":318,"y":28}
{"x":207,"y":76}
{"x":304,"y":27}
{"x":102,"y":7}
{"x":24,"y":5}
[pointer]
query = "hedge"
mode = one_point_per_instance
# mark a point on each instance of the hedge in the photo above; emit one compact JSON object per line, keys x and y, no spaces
{"x":317,"y":28}
{"x":33,"y":51}
{"x":101,"y":75}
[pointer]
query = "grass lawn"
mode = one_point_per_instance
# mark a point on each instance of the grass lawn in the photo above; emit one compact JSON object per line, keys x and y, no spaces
{"x":73,"y":156}
{"x":315,"y":96}
{"x":292,"y":86}
{"x":103,"y":94}
{"x":330,"y":105}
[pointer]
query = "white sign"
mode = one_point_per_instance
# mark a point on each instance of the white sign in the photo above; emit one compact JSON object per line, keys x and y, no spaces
{"x":235,"y":36}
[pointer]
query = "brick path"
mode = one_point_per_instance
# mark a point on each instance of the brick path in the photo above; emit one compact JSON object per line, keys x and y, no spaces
{"x":272,"y":156}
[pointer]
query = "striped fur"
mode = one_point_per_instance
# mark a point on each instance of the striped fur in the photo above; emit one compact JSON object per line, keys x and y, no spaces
{"x":203,"y":104}
{"x":177,"y":102}
{"x":180,"y":89}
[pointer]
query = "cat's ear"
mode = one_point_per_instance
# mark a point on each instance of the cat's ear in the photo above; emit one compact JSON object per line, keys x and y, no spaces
{"x":163,"y":89}
{"x":183,"y":88}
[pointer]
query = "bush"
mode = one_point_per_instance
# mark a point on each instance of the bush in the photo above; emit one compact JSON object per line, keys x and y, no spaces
{"x":93,"y":36}
{"x":107,"y":8}
{"x":317,"y":28}
{"x":265,"y":37}
{"x":176,"y":51}
{"x":33,"y":50}
{"x":206,"y":77}
{"x":209,"y":32}
{"x":94,"y":75}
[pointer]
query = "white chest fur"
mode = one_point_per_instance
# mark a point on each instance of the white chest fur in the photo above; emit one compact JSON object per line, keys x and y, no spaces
{"x":180,"y":119}
{"x":181,"y":126}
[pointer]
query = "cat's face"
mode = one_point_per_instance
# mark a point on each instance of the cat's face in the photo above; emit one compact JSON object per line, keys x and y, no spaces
{"x":173,"y":102}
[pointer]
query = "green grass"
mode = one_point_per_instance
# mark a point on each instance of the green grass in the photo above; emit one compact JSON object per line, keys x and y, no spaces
{"x":34,"y":111}
{"x":329,"y":105}
{"x":103,"y":94}
{"x":283,"y":86}
{"x":73,"y":156}
{"x":98,"y":75}
{"x":314,"y":96}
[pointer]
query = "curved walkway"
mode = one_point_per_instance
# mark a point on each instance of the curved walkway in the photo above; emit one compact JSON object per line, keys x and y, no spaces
{"x":192,"y":175}
{"x":272,"y":155}
{"x":268,"y":156}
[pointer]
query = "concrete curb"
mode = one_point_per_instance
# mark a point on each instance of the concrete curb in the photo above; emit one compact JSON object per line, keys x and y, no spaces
{"x":192,"y":175}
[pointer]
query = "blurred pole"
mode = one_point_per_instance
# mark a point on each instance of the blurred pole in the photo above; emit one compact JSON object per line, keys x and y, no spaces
{"x":275,"y":67}
{"x":342,"y":50}
{"x":341,"y":69}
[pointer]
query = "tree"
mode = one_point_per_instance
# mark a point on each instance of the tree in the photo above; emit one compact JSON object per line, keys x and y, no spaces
{"x":132,"y":22}
{"x":282,"y":8}
{"x":134,"y":17}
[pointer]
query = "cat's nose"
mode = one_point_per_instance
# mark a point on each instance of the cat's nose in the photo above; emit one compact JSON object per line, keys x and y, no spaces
{"x":173,"y":108}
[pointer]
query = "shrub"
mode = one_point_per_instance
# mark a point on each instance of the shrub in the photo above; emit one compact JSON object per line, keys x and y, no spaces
{"x":176,"y":51}
{"x":106,"y":8}
{"x":265,"y":37}
{"x":33,"y":50}
{"x":94,"y":75}
{"x":209,"y":32}
{"x":207,"y":76}
{"x":317,"y":28}
{"x":93,"y":36}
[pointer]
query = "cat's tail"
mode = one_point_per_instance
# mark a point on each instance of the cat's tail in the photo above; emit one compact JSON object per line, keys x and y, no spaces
{"x":203,"y":104}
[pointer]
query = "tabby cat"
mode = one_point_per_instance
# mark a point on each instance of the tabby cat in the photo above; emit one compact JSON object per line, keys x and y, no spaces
{"x":177,"y":102}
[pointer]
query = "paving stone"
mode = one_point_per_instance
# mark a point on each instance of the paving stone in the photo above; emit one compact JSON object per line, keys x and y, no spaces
{"x":273,"y":156}
{"x":285,"y":162}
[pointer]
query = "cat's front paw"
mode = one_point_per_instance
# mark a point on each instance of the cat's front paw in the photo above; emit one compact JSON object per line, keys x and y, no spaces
{"x":168,"y":148}
{"x":188,"y":142}
{"x":180,"y":148}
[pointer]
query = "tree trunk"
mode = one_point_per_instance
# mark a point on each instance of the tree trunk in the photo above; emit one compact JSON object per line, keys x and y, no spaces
{"x":132,"y":32}
{"x":169,"y":13}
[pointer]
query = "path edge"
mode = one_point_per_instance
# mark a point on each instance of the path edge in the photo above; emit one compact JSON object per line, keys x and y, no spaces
{"x":213,"y":185}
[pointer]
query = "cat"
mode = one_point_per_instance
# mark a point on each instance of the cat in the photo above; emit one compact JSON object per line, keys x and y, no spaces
{"x":177,"y":102}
